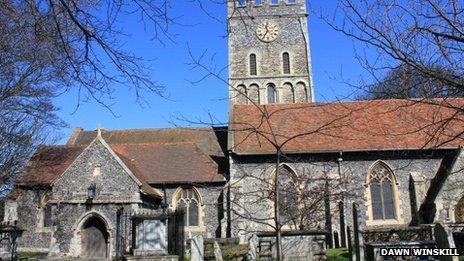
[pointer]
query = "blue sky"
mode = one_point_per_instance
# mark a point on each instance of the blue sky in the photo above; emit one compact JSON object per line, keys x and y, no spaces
{"x":332,"y":59}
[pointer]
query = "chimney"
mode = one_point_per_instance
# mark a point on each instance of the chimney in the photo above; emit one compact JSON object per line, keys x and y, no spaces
{"x":75,"y":133}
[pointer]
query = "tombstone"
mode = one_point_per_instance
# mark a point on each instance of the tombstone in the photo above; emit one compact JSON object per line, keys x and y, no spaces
{"x":350,"y":246}
{"x":253,"y":243}
{"x":197,"y":252}
{"x":357,"y":234}
{"x":217,"y":252}
{"x":444,"y":239}
{"x":341,"y":209}
{"x":336,"y":239}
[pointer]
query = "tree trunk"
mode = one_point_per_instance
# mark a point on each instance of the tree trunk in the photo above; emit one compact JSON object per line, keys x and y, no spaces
{"x":276,"y":209}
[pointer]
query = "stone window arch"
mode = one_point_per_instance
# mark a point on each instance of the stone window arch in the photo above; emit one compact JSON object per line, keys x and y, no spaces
{"x":242,"y":95}
{"x":45,"y":212}
{"x":253,"y":65}
{"x":288,"y":93}
{"x":289,"y":195}
{"x":271,"y":93}
{"x":286,"y":63}
{"x":382,"y":193}
{"x":189,"y":200}
{"x":253,"y":93}
{"x":301,"y":92}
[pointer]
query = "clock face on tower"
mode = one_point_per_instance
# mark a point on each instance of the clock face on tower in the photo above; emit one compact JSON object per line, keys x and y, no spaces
{"x":267,"y":31}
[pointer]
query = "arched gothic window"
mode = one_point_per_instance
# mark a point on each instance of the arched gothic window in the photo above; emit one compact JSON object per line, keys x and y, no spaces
{"x":382,"y":186}
{"x":286,"y":62}
{"x":271,"y":93}
{"x":253,"y":69}
{"x":288,"y":195}
{"x":188,"y":200}
{"x":45,"y":209}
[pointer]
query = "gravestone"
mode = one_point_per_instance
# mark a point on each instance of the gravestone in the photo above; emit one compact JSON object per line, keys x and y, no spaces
{"x":341,"y":209}
{"x":253,"y":248}
{"x":197,"y":252}
{"x":217,"y":252}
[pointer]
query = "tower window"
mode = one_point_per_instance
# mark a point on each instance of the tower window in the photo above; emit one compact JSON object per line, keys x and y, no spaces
{"x":301,"y":92}
{"x":253,"y":93}
{"x":288,"y":92}
{"x":271,"y":93}
{"x":286,"y":63}
{"x":242,"y":96}
{"x":253,"y":70}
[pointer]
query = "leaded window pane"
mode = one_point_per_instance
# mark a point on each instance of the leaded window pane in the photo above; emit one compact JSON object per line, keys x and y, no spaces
{"x":253,"y":69}
{"x":288,"y":203}
{"x":286,"y":63}
{"x":389,"y":207}
{"x":376,"y":198}
{"x":271,"y":93}
{"x":47,"y":216}
{"x":193,"y":213}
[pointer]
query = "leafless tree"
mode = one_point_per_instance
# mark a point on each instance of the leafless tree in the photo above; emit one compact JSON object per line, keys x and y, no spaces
{"x":298,"y":202}
{"x":49,"y":47}
{"x":405,"y":82}
{"x":425,"y":35}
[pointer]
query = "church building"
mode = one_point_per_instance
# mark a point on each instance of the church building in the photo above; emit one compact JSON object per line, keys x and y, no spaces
{"x":398,"y":161}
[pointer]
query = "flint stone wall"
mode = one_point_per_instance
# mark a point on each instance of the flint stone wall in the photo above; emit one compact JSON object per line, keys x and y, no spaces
{"x":247,"y":171}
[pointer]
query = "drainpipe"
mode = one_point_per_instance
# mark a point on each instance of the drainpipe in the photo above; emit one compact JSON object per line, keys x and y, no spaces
{"x":341,"y":204}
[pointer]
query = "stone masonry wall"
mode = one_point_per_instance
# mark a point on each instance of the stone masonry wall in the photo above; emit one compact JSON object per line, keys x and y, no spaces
{"x":248,"y":174}
{"x":34,"y":238}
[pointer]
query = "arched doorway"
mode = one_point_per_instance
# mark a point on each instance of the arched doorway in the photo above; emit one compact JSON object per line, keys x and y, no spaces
{"x":94,"y":236}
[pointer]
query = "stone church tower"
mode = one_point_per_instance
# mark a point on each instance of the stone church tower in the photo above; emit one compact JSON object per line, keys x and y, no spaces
{"x":269,"y":54}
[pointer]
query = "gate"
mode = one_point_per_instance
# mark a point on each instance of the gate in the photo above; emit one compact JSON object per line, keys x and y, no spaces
{"x":150,"y":231}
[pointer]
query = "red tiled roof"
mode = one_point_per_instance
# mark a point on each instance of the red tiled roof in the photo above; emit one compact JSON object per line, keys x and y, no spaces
{"x":211,"y":141}
{"x":349,"y":126}
{"x":158,"y":163}
{"x":47,"y":164}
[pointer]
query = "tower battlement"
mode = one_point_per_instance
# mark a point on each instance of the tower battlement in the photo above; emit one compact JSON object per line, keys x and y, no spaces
{"x":253,"y":8}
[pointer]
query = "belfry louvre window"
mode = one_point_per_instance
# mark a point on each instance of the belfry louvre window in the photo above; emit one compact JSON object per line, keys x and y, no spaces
{"x":253,"y":69}
{"x":189,"y":201}
{"x":382,"y":182}
{"x":286,"y":63}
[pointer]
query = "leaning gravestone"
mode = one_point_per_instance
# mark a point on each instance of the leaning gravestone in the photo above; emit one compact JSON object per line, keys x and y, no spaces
{"x":196,"y":249}
{"x":253,"y":248}
{"x":217,"y":252}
